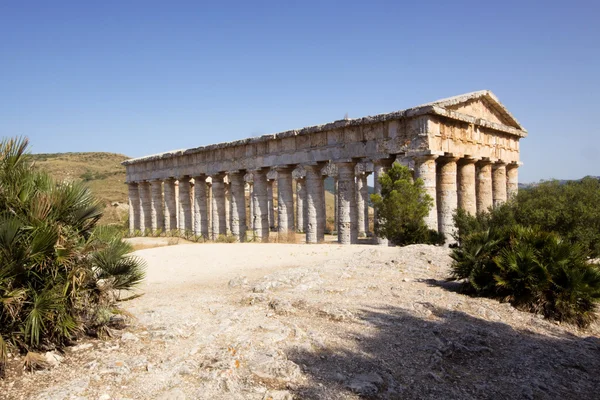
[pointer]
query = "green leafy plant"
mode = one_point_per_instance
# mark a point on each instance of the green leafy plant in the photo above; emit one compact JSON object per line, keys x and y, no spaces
{"x":402,"y":207}
{"x":57,"y":267}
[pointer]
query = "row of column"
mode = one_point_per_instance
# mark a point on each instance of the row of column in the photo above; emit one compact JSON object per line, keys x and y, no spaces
{"x":452,"y":182}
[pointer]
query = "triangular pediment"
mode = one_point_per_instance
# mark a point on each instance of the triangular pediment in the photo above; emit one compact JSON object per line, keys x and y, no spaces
{"x":483,"y":105}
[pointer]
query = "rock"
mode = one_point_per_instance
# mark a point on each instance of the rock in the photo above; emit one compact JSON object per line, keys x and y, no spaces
{"x":254,"y":298}
{"x":129,"y":337}
{"x":281,"y":307}
{"x":104,"y":396}
{"x":53,"y":359}
{"x":366,"y":384}
{"x":81,"y":347}
{"x":335,"y":314}
{"x":272,"y":369}
{"x":405,"y":279}
{"x":240,"y":281}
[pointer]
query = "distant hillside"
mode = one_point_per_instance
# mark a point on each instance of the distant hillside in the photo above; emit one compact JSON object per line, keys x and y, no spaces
{"x":102,"y":172}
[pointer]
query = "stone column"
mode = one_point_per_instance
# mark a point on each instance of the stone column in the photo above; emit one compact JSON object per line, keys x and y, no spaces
{"x":512,"y":180}
{"x":362,"y":203}
{"x":447,"y":196}
{"x":285,"y":201}
{"x":425,"y":169}
{"x":238,"y":205}
{"x":315,"y":199}
{"x":170,"y":210}
{"x":156,"y":207}
{"x":251,"y":191}
{"x":336,"y":202}
{"x":380,"y":166}
{"x":134,"y":207}
{"x":270,"y":204}
{"x":185,"y":206}
{"x":467,"y":197}
{"x":499,"y":183}
{"x":218,"y":221}
{"x":300,"y":206}
{"x":200,"y":206}
{"x":347,"y":212}
{"x":484,"y":185}
{"x":146,"y":207}
{"x":260,"y":205}
{"x":227,"y":196}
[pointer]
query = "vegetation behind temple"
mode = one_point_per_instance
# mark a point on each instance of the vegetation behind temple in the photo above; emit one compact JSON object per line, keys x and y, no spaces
{"x":60,"y":275}
{"x":534,"y":250}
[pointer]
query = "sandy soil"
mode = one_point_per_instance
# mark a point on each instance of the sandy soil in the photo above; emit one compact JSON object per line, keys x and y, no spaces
{"x":283,"y":321}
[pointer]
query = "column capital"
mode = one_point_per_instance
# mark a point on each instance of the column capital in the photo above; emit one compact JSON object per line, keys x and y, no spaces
{"x":484,"y":161}
{"x":284,"y":167}
{"x":468,"y":160}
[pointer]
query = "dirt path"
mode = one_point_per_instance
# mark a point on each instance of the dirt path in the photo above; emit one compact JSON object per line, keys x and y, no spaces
{"x":283,"y":321}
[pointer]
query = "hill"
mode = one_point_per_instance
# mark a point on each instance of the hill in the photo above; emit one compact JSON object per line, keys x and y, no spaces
{"x":102,"y":172}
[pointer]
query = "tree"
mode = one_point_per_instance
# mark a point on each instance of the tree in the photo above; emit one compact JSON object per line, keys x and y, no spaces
{"x":60,"y":275}
{"x":401,"y":208}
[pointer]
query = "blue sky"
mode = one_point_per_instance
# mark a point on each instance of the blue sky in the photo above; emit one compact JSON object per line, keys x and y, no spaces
{"x":142,"y":77}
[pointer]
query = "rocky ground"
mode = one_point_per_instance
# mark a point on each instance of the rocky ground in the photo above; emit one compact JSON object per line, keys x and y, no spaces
{"x":283,"y":321}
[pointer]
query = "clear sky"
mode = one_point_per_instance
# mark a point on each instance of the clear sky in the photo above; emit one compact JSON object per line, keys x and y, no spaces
{"x":143,"y":77}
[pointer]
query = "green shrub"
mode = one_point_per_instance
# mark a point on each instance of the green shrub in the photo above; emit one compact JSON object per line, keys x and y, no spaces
{"x":570,"y":209}
{"x":60,"y":274}
{"x":402,"y":207}
{"x":534,"y":270}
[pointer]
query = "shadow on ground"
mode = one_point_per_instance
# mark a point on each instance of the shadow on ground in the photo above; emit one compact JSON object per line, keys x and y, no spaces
{"x":451,"y":355}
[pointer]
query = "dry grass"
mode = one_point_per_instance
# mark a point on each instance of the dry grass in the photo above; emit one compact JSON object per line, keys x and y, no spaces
{"x":102,"y":172}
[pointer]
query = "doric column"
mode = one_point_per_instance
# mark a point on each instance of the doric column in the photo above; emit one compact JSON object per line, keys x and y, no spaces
{"x":251,"y":191}
{"x":156,"y":207}
{"x":336,"y":198}
{"x":146,"y":207}
{"x":227,"y":196}
{"x":426,"y":170}
{"x":467,"y":197}
{"x":260,"y":205}
{"x":362,"y":203}
{"x":300,"y":205}
{"x":347,"y":212}
{"x":237,"y":210}
{"x":512,"y":180}
{"x":185,"y":206}
{"x":200,"y":206}
{"x":218,"y":221}
{"x":270,"y":204}
{"x":380,"y":167}
{"x":447,"y":196}
{"x":315,"y":200}
{"x":499,"y":183}
{"x":170,"y":210}
{"x":134,"y":207}
{"x":484,"y":185}
{"x":285,"y":200}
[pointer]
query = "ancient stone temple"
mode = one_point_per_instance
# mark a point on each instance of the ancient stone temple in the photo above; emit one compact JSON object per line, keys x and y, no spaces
{"x":464,"y":148}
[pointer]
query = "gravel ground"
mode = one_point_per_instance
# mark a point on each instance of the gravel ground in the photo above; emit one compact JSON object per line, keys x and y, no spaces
{"x":285,"y":321}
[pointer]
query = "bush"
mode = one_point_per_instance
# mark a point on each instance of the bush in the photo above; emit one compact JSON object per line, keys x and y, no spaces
{"x":532,"y":269}
{"x":60,"y":275}
{"x":402,"y":207}
{"x":569,"y":209}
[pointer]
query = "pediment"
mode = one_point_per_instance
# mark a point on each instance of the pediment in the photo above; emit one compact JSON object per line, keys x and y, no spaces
{"x":483,"y":105}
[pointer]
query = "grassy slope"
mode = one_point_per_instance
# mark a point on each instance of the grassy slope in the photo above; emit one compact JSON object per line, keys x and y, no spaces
{"x":102,"y":172}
